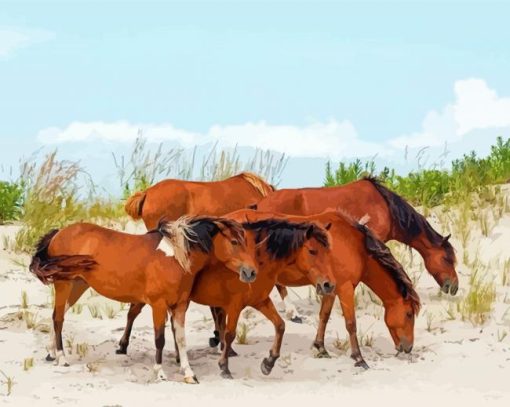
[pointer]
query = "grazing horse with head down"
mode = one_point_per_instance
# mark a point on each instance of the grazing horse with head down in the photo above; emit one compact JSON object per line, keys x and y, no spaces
{"x":356,"y":256}
{"x":302,"y":247}
{"x":137,"y":269}
{"x":391,"y":218}
{"x":172,"y":198}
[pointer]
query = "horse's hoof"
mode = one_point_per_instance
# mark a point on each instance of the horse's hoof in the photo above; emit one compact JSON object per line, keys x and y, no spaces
{"x":362,"y":364}
{"x":121,"y":351}
{"x":226,"y":375}
{"x":49,"y":358}
{"x":232,"y":353}
{"x":322,"y":354}
{"x":297,"y":319}
{"x":191,"y":380}
{"x":266,"y":366}
{"x":213,"y":342}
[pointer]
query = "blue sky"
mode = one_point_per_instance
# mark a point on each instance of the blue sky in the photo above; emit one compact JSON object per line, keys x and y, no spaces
{"x":316,"y":80}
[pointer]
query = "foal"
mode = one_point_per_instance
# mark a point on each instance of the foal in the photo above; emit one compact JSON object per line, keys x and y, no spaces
{"x":136,"y":268}
{"x":282,"y":245}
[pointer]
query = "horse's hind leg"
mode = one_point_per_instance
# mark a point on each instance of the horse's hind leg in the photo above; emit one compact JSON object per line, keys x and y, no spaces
{"x":268,"y":309}
{"x":134,"y":311}
{"x":346,"y":295}
{"x":215,"y":340}
{"x":291,"y":311}
{"x":63,"y":291}
{"x":325,"y":312}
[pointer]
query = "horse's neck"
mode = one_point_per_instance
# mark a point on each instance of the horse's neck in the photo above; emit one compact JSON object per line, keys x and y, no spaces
{"x":199,"y":260}
{"x":379,"y":280}
{"x":421,"y":244}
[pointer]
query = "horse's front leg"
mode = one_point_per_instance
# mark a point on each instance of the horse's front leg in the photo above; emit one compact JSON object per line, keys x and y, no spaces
{"x":325,"y":312}
{"x":178,"y":321}
{"x":269,"y":311}
{"x":134,"y":311}
{"x":232,"y":316}
{"x":159,"y":312}
{"x":346,"y":294}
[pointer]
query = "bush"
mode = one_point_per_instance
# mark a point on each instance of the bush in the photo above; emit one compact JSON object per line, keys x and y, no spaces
{"x":11,"y":199}
{"x":430,"y":187}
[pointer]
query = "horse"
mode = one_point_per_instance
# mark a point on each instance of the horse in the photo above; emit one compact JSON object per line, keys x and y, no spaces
{"x":391,"y":218}
{"x":281,"y":245}
{"x":140,"y":268}
{"x":358,"y":256}
{"x":173,"y":198}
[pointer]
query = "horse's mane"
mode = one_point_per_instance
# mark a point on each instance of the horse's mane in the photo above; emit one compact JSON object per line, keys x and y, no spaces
{"x":258,"y":183}
{"x":283,"y":238}
{"x":382,"y":254}
{"x":191,"y":233}
{"x":409,"y":222}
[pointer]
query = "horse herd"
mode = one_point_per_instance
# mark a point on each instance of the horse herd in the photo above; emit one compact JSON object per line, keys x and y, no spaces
{"x":227,"y":244}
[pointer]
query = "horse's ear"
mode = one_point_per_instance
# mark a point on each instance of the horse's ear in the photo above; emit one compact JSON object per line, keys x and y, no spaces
{"x":446,"y":238}
{"x":328,"y":226}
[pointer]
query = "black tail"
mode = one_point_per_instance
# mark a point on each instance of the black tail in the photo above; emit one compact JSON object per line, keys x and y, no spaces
{"x":48,"y":269}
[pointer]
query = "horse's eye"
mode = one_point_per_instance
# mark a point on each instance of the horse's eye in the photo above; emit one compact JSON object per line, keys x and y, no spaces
{"x":313,"y":252}
{"x":448,"y":260}
{"x":234,"y":242}
{"x":409,"y":315}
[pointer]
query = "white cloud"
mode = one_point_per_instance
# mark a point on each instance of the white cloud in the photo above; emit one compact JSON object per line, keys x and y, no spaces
{"x":476,"y":107}
{"x":333,"y":139}
{"x":12,"y":39}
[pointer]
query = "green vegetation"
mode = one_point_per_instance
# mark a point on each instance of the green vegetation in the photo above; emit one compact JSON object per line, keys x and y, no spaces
{"x":11,"y":201}
{"x":430,"y":187}
{"x":52,"y":193}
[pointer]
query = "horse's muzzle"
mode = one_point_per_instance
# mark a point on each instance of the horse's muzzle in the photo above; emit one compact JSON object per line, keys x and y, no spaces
{"x":325,"y":288}
{"x":247,"y":274}
{"x":405,"y":346}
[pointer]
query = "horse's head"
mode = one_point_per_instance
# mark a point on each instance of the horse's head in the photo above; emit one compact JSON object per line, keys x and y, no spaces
{"x":228,"y":246}
{"x":223,"y":240}
{"x":399,"y":317}
{"x":440,"y":260}
{"x":302,"y":245}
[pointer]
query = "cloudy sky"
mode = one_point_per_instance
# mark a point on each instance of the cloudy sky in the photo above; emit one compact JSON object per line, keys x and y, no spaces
{"x":318,"y":81}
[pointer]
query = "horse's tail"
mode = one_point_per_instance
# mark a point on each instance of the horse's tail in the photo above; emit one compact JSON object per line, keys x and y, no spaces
{"x":134,"y":205}
{"x":48,"y":269}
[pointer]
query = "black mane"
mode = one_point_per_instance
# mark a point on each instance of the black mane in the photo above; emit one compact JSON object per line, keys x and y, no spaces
{"x":382,"y":254}
{"x":283,"y":238}
{"x":409,"y":222}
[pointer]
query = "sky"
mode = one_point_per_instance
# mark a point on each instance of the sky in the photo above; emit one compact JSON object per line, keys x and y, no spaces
{"x":315,"y":80}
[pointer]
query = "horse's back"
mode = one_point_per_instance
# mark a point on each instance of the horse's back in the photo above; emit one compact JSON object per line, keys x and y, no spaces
{"x":356,"y":199}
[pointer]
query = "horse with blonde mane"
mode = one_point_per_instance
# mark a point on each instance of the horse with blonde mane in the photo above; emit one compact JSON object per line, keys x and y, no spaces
{"x":139,"y":269}
{"x":173,"y":198}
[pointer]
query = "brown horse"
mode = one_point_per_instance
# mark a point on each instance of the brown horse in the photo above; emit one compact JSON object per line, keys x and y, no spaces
{"x":174,"y":198}
{"x":357,"y":255}
{"x":282,"y":245}
{"x":138,"y":269}
{"x":391,"y":218}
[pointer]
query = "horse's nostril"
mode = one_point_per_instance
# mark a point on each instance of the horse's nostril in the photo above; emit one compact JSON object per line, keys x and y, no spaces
{"x":327,"y":285}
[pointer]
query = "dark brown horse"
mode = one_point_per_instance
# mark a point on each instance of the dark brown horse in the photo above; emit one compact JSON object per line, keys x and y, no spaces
{"x":139,"y":269}
{"x":172,"y":198}
{"x":391,"y":218}
{"x":302,"y":247}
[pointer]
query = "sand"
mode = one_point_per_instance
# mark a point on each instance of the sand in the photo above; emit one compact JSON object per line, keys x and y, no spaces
{"x":452,"y":360}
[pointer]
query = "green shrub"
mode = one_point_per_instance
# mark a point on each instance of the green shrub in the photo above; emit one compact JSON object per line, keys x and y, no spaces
{"x":430,"y":187}
{"x":11,"y":199}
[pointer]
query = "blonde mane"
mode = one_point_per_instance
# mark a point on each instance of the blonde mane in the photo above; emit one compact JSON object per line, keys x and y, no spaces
{"x":258,"y":183}
{"x":178,"y":234}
